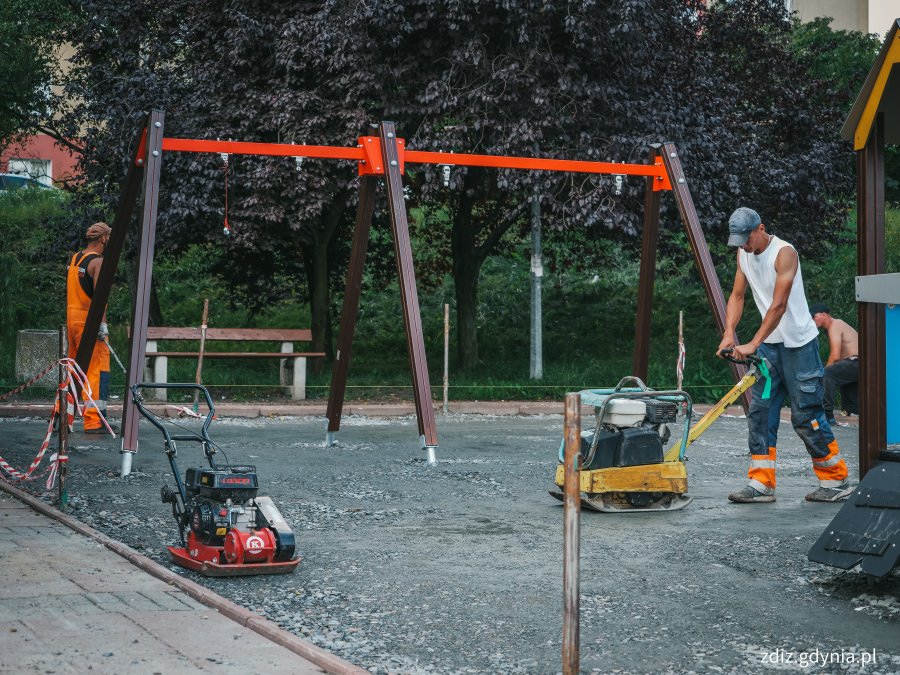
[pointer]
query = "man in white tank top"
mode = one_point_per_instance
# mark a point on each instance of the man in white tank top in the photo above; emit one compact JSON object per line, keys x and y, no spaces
{"x":788,"y":339}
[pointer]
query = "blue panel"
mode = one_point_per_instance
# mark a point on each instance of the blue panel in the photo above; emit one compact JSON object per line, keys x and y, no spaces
{"x":892,"y":374}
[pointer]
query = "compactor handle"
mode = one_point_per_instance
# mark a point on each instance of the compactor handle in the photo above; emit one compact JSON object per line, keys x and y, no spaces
{"x":634,"y":379}
{"x":751,"y":360}
{"x":138,"y":400}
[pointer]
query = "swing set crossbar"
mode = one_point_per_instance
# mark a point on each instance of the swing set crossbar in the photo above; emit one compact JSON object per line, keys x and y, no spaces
{"x":368,"y":154}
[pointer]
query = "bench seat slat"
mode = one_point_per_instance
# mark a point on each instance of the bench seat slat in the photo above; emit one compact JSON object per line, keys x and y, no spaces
{"x":236,"y":355}
{"x":230,"y":334}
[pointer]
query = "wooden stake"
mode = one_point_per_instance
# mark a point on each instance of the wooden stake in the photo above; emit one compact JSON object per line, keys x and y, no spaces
{"x":446,"y":358}
{"x":571,"y":535}
{"x":200,"y":355}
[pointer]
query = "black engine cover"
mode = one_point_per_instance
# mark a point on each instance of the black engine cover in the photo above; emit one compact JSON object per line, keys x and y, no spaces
{"x":627,"y":447}
{"x":237,"y":483}
{"x":640,"y":445}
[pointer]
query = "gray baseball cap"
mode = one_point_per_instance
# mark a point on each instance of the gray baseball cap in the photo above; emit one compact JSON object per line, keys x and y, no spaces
{"x":742,"y":222}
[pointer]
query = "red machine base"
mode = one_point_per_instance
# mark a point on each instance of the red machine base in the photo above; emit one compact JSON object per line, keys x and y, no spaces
{"x":181,"y":557}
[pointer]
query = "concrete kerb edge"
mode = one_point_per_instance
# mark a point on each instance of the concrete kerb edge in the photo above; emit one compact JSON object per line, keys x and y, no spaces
{"x":265,"y":628}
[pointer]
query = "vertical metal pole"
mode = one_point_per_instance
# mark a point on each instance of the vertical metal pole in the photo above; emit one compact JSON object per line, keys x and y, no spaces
{"x":641,"y":359}
{"x":571,"y":535}
{"x":63,"y":422}
{"x":412,"y":318}
{"x":870,"y":260}
{"x":152,"y":162}
{"x":446,"y":359}
{"x":702,"y":256}
{"x":537,"y":273}
{"x":350,"y":309}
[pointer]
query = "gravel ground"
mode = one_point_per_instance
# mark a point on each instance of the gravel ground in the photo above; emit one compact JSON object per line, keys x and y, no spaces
{"x":458,"y":568}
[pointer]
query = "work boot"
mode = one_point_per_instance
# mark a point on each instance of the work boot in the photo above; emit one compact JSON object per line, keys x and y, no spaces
{"x":750,"y":495}
{"x":831,"y":494}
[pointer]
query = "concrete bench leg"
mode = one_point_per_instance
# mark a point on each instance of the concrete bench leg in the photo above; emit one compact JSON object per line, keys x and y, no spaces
{"x":292,"y":374}
{"x":156,"y":369}
{"x":298,"y":390}
{"x":285,"y":371}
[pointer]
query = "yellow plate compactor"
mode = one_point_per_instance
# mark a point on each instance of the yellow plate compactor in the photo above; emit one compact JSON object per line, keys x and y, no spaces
{"x":624,"y":467}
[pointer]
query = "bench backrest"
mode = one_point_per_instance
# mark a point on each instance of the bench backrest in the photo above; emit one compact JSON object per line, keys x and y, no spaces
{"x":231,"y":334}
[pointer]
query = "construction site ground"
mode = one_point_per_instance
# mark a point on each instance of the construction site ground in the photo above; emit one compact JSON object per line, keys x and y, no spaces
{"x":457,"y":568}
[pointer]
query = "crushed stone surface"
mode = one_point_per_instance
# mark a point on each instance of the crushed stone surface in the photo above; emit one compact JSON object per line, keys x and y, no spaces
{"x":457,"y":568}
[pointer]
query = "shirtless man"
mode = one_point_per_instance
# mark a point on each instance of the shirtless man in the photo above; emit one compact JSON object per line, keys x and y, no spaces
{"x":842,"y":368}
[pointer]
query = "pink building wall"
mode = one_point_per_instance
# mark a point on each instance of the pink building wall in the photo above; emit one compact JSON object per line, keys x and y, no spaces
{"x":41,"y":146}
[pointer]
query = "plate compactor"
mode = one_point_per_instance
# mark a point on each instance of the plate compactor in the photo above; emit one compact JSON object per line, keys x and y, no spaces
{"x":624,"y":466}
{"x":231,"y":530}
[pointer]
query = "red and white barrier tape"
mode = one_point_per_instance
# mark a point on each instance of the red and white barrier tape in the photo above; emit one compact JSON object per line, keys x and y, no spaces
{"x":76,"y":374}
{"x":30,"y":382}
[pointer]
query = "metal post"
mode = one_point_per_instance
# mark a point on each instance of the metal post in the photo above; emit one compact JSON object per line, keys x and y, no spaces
{"x":63,"y":422}
{"x":446,"y":359}
{"x":571,"y":535}
{"x":537,"y":272}
{"x":350,"y":309}
{"x":412,"y":319}
{"x":152,"y":163}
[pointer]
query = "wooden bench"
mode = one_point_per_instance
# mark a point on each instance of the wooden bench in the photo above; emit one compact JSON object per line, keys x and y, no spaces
{"x":292,"y":373}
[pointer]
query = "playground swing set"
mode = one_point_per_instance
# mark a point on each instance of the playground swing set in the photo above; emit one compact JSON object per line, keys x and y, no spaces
{"x":381,"y":157}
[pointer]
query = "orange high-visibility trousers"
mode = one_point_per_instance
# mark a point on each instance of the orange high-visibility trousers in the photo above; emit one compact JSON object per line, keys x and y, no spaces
{"x":97,"y":375}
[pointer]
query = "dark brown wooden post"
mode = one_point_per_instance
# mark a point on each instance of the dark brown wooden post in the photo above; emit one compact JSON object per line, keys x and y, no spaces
{"x":571,"y":535}
{"x":350,"y":309}
{"x":647,"y":275}
{"x":62,"y":451}
{"x":415,"y":341}
{"x":111,"y":255}
{"x":152,"y":163}
{"x":698,"y":244}
{"x":870,"y":252}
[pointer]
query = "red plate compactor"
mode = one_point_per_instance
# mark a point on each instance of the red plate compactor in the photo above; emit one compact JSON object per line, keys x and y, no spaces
{"x":231,"y":530}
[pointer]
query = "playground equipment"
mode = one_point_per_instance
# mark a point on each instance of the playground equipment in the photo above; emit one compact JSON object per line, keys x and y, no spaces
{"x":231,"y":530}
{"x":378,"y":157}
{"x":623,"y":467}
{"x":866,"y":531}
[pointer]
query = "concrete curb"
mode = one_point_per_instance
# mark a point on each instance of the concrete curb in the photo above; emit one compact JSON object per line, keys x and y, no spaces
{"x":268,"y":629}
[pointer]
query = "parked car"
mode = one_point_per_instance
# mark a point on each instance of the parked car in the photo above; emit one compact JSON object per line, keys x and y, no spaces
{"x":15,"y":181}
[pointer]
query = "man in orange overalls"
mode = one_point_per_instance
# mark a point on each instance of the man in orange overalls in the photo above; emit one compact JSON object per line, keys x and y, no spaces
{"x":81,"y":276}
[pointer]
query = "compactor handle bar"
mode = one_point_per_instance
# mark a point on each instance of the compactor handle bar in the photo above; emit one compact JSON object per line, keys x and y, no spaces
{"x":751,"y":360}
{"x":138,"y":400}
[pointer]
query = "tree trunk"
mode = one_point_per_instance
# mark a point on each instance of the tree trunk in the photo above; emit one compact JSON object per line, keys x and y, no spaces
{"x":316,"y":263}
{"x":316,"y":257}
{"x":466,"y":267}
{"x":466,"y":280}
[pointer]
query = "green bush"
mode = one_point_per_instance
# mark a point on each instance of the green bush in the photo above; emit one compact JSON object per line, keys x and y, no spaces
{"x":32,"y":282}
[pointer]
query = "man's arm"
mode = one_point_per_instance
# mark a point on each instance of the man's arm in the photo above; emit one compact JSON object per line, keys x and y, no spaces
{"x":786,"y":265}
{"x":94,"y":270}
{"x":734,"y":309}
{"x":835,"y":343}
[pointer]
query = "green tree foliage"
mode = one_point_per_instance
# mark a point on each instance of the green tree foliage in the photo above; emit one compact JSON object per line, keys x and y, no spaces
{"x":29,"y":30}
{"x":581,"y":79}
